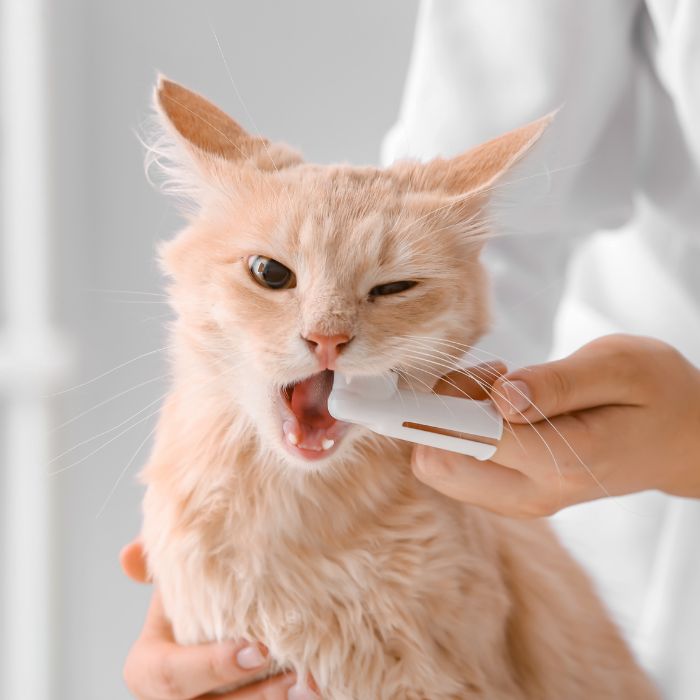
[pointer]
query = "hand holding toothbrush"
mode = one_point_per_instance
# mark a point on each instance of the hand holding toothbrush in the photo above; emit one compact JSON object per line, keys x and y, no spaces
{"x":620,"y":415}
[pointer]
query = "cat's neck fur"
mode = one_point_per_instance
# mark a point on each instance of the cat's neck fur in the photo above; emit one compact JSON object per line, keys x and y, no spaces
{"x":249,"y":484}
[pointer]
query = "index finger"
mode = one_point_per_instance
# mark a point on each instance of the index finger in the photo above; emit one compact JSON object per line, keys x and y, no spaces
{"x":560,"y":448}
{"x":600,"y":373}
{"x":471,"y":382}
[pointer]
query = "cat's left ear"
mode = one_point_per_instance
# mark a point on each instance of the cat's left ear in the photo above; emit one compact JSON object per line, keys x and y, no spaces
{"x":476,"y":170}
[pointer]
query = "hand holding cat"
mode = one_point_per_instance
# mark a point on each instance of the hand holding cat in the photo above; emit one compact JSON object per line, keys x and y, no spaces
{"x":620,"y":415}
{"x":157,"y":668}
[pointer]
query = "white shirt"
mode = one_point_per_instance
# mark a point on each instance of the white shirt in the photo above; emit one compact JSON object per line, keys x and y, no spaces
{"x":623,"y":155}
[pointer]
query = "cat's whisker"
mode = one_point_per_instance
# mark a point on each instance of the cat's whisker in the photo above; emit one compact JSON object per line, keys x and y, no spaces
{"x":188,"y":391}
{"x":128,"y":291}
{"x":124,"y":471}
{"x":461,"y":347}
{"x":565,"y":441}
{"x":243,"y":104}
{"x":158,"y":317}
{"x":456,"y":359}
{"x":423,"y":383}
{"x":109,"y":371}
{"x":408,"y":384}
{"x":108,"y":400}
{"x":138,"y":301}
{"x":453,"y":363}
{"x":109,"y":430}
{"x":101,"y":447}
{"x":402,"y":373}
{"x":386,"y":378}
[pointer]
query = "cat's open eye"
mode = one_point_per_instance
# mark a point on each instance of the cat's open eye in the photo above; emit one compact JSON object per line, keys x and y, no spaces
{"x":270,"y":273}
{"x":391,"y":288}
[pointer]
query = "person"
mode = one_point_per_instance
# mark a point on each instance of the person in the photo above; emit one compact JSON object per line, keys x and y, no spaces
{"x":619,"y":411}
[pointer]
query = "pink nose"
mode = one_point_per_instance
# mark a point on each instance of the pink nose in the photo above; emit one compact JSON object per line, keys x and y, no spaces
{"x":327,"y":347}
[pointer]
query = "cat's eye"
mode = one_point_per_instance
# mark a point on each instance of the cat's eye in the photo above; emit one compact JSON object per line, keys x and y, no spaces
{"x":391,"y":288}
{"x":270,"y":273}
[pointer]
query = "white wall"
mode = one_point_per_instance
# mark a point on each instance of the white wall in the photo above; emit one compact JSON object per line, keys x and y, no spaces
{"x":323,"y":75}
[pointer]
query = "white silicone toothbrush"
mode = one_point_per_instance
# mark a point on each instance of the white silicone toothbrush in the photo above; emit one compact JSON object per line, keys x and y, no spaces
{"x":458,"y":425}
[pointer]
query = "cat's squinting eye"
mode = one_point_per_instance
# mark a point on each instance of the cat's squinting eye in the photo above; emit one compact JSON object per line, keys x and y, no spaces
{"x":270,"y":273}
{"x":391,"y":288}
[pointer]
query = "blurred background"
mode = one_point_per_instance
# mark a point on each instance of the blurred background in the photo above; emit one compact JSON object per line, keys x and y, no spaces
{"x":82,"y":316}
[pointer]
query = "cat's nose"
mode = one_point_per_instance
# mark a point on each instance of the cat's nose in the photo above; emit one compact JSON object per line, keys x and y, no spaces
{"x":327,"y":347}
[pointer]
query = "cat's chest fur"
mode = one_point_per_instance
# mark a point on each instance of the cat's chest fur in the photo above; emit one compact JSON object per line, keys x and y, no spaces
{"x":395,"y":587}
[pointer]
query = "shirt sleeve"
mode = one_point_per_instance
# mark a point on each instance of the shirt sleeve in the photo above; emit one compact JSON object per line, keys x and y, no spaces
{"x":481,"y":68}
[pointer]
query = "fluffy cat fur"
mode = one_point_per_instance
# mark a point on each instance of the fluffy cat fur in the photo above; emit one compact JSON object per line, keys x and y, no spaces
{"x":346,"y":567}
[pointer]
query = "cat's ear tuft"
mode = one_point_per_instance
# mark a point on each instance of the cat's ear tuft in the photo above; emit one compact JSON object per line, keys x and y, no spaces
{"x":210,"y":131}
{"x":478,"y":169}
{"x":196,"y":142}
{"x":202,"y":125}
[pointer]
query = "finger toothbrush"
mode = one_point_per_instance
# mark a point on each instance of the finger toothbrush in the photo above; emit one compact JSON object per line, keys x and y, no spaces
{"x":466,"y":426}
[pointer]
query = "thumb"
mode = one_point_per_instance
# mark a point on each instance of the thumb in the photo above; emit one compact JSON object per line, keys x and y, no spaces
{"x":583,"y":380}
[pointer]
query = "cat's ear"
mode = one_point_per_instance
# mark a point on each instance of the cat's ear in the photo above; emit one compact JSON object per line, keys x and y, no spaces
{"x":198,"y":142}
{"x":209,"y":132}
{"x":476,"y":170}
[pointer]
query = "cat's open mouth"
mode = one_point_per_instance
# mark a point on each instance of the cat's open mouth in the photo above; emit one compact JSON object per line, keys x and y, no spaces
{"x":308,"y":428}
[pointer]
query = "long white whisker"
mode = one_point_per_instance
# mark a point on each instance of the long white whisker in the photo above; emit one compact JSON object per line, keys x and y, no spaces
{"x":138,"y":301}
{"x":189,"y":392}
{"x":243,"y":104}
{"x":109,"y":371}
{"x":462,"y":347}
{"x":109,"y":430}
{"x":124,"y":471}
{"x":127,"y":291}
{"x":109,"y":400}
{"x":565,"y":441}
{"x":103,"y":445}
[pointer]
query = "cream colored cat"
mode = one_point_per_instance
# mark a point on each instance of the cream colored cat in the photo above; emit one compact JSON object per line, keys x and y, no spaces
{"x":266,"y":519}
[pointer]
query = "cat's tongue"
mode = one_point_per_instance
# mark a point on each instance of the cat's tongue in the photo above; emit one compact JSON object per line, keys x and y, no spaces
{"x":311,"y":431}
{"x":310,"y":401}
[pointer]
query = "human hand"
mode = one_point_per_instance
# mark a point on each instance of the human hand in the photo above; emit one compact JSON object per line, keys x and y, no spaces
{"x":158,"y":668}
{"x":620,"y":415}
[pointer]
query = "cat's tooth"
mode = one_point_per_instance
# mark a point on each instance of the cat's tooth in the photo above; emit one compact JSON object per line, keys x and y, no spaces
{"x":327,"y":443}
{"x":291,"y":434}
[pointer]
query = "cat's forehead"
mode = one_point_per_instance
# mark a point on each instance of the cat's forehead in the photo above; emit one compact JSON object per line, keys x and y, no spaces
{"x":338,"y":222}
{"x":347,"y":216}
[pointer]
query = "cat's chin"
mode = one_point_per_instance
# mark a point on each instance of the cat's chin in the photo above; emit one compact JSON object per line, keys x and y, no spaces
{"x":307,"y":430}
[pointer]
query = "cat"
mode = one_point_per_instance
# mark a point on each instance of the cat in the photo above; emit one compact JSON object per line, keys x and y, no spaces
{"x":266,"y":519}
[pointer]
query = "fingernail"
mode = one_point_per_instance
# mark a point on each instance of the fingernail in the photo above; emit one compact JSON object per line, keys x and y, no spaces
{"x":301,"y":692}
{"x":250,"y":657}
{"x":517,"y":394}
